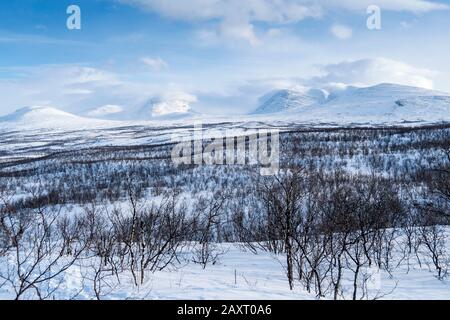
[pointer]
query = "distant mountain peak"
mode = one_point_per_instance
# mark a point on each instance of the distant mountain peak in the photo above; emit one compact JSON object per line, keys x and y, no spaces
{"x":35,"y":112}
{"x":289,"y":99}
{"x":41,"y":116}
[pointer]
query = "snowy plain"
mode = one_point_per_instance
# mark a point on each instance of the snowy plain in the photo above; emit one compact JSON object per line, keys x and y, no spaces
{"x":241,"y":275}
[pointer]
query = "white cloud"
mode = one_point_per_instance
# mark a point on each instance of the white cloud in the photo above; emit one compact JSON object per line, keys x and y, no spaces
{"x":236,"y":18}
{"x":169,"y":107}
{"x":52,"y":84}
{"x":415,"y":6}
{"x":341,"y":31}
{"x":406,"y":25}
{"x":279,"y":11}
{"x":83,"y":75}
{"x":232,"y":33}
{"x":367,"y":72}
{"x":157,"y":64}
{"x":244,"y":31}
{"x":169,"y":102}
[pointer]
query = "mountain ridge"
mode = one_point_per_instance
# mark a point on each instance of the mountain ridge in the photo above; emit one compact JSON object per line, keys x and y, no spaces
{"x":375,"y":103}
{"x":381,"y":104}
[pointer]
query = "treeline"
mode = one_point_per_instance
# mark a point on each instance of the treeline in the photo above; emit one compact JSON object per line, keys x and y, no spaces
{"x":403,"y":155}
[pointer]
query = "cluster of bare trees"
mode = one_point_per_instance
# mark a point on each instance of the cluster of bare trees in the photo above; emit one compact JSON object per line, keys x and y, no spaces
{"x":100,"y":174}
{"x":38,"y":245}
{"x":340,"y":229}
{"x":332,"y":231}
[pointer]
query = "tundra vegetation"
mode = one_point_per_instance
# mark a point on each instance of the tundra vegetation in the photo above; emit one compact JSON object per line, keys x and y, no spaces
{"x":345,"y":201}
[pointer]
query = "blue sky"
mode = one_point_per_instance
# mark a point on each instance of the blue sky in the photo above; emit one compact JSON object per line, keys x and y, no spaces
{"x":219,"y":56}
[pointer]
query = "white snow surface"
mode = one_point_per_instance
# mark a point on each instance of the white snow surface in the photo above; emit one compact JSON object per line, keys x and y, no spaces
{"x":239,"y":275}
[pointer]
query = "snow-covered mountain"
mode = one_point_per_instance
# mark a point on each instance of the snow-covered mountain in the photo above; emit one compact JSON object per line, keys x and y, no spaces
{"x":290,"y":100}
{"x":47,"y":117}
{"x":387,"y":99}
{"x":37,"y":117}
{"x":149,"y":110}
{"x":381,"y":103}
{"x":163,"y":109}
{"x":155,"y":108}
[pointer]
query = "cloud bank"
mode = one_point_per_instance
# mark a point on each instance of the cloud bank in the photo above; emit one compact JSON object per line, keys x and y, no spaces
{"x":236,"y":18}
{"x":279,"y":11}
{"x":368,"y":72}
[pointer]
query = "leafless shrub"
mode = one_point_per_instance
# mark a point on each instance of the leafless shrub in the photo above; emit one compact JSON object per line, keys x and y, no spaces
{"x":207,"y":219}
{"x":40,"y":249}
{"x":151,"y":234}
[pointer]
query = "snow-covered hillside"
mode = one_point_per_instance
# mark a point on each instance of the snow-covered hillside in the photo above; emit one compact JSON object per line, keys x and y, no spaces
{"x":384,"y":104}
{"x":46,"y":117}
{"x":388,"y":99}
{"x":152,"y":109}
{"x":290,"y":100}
